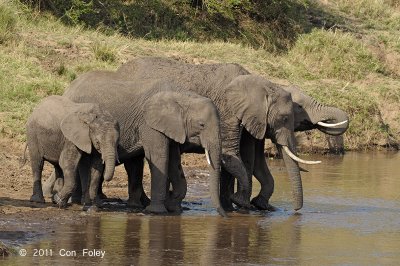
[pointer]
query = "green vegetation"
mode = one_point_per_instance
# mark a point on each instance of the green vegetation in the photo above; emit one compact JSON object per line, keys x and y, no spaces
{"x":7,"y":24}
{"x":329,"y":54}
{"x":345,"y":54}
{"x":272,"y":25}
{"x":7,"y":251}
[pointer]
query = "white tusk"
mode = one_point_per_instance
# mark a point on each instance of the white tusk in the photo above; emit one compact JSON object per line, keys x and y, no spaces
{"x":331,"y":125}
{"x":297,"y":159}
{"x":208,"y":157}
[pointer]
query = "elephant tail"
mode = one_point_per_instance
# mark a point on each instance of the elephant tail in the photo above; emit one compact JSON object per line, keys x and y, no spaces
{"x":24,"y":158}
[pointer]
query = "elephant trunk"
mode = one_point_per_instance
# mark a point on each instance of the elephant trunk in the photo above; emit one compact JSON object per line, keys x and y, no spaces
{"x":213,"y":155}
{"x":286,"y":141}
{"x":109,"y":155}
{"x":331,"y":120}
{"x":293,"y":170}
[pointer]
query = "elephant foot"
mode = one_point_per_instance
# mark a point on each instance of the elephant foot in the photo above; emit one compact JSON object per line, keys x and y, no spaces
{"x":243,"y":210}
{"x":240,"y":200}
{"x":37,"y":198}
{"x":139,"y":204}
{"x":77,"y":200}
{"x":261,"y":203}
{"x":135,"y":204}
{"x":174,"y":206}
{"x":62,"y":203}
{"x":144,"y":200}
{"x":90,"y":209}
{"x":102,"y":196}
{"x":226,"y":204}
{"x":156,"y":209}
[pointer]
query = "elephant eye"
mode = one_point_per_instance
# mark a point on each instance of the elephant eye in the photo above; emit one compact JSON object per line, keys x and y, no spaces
{"x":97,"y":144}
{"x":285,"y":119}
{"x":202,"y":124}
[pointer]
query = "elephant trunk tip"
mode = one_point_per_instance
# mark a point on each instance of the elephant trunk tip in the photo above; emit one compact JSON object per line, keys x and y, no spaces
{"x":298,"y":207}
{"x":108,"y":178}
{"x":222,"y":212}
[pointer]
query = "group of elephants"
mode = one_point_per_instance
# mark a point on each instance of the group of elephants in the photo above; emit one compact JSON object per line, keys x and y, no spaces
{"x":158,"y":108}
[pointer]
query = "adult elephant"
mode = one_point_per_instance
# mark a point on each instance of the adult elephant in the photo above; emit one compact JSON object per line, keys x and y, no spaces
{"x":247,"y":97}
{"x":309,"y":114}
{"x":154,"y":118}
{"x":212,"y":80}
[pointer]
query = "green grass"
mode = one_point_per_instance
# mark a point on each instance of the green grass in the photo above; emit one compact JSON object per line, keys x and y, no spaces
{"x":7,"y":24}
{"x":41,"y":55}
{"x":328,"y":54}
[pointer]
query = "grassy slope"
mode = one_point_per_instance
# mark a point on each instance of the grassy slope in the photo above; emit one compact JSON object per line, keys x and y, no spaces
{"x":353,"y":65}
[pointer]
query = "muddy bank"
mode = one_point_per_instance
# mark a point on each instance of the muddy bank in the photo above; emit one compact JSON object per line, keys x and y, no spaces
{"x":23,"y":221}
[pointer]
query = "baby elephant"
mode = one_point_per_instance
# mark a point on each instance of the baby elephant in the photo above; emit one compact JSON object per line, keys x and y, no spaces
{"x":63,"y":132}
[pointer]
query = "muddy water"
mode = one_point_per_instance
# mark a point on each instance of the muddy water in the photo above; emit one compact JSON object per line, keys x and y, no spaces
{"x":351,"y":216}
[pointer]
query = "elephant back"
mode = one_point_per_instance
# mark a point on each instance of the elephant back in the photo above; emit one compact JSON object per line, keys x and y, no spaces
{"x":203,"y":78}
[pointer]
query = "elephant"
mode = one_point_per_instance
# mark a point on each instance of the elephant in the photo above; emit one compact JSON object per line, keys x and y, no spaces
{"x":212,"y":80}
{"x":310,"y":114}
{"x":64,"y":133}
{"x":155,"y":117}
{"x":246,"y":102}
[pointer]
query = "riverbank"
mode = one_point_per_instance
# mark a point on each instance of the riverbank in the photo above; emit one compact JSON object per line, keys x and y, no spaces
{"x":347,"y":56}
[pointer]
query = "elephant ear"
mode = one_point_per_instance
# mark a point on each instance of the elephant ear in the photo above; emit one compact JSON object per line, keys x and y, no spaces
{"x":75,"y":127}
{"x":163,"y":113}
{"x":248,"y":100}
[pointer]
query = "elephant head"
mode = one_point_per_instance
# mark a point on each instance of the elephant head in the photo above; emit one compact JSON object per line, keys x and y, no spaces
{"x":266,"y":110}
{"x":90,"y":126}
{"x":187,"y":116}
{"x":310,"y":114}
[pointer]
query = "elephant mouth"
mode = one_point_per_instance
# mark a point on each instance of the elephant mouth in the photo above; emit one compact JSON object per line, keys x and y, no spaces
{"x":305,"y":125}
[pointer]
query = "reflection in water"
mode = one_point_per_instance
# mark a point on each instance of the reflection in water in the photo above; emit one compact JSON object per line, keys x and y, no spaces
{"x":351,"y":216}
{"x":138,"y":240}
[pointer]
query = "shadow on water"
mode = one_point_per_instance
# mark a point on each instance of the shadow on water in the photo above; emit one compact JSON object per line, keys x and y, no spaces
{"x":351,"y":216}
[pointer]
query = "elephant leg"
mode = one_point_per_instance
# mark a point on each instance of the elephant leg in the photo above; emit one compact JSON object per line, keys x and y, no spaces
{"x":177,"y":179}
{"x":264,"y":176}
{"x":137,"y":196}
{"x":80,"y":194}
{"x":100,"y":193}
{"x":156,"y":148}
{"x":69,"y":161}
{"x":227,"y":186}
{"x":37,"y":168}
{"x":247,"y":153}
{"x":96,"y":172}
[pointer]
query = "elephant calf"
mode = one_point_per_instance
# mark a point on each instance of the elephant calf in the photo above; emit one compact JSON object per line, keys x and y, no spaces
{"x":63,"y":132}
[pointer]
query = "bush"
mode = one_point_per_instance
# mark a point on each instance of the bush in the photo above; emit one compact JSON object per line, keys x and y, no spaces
{"x":7,"y":24}
{"x":104,"y":52}
{"x":271,"y":25}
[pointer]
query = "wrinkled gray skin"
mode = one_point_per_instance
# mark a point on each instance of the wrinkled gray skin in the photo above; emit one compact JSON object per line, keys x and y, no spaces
{"x":210,"y":80}
{"x":63,"y":133}
{"x":260,"y":106}
{"x":155,"y":117}
{"x":307,"y":113}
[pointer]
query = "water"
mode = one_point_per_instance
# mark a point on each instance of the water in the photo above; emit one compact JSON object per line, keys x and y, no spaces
{"x":351,"y":216}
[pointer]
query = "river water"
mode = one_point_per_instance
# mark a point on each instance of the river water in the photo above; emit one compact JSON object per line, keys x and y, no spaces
{"x":351,"y":216}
